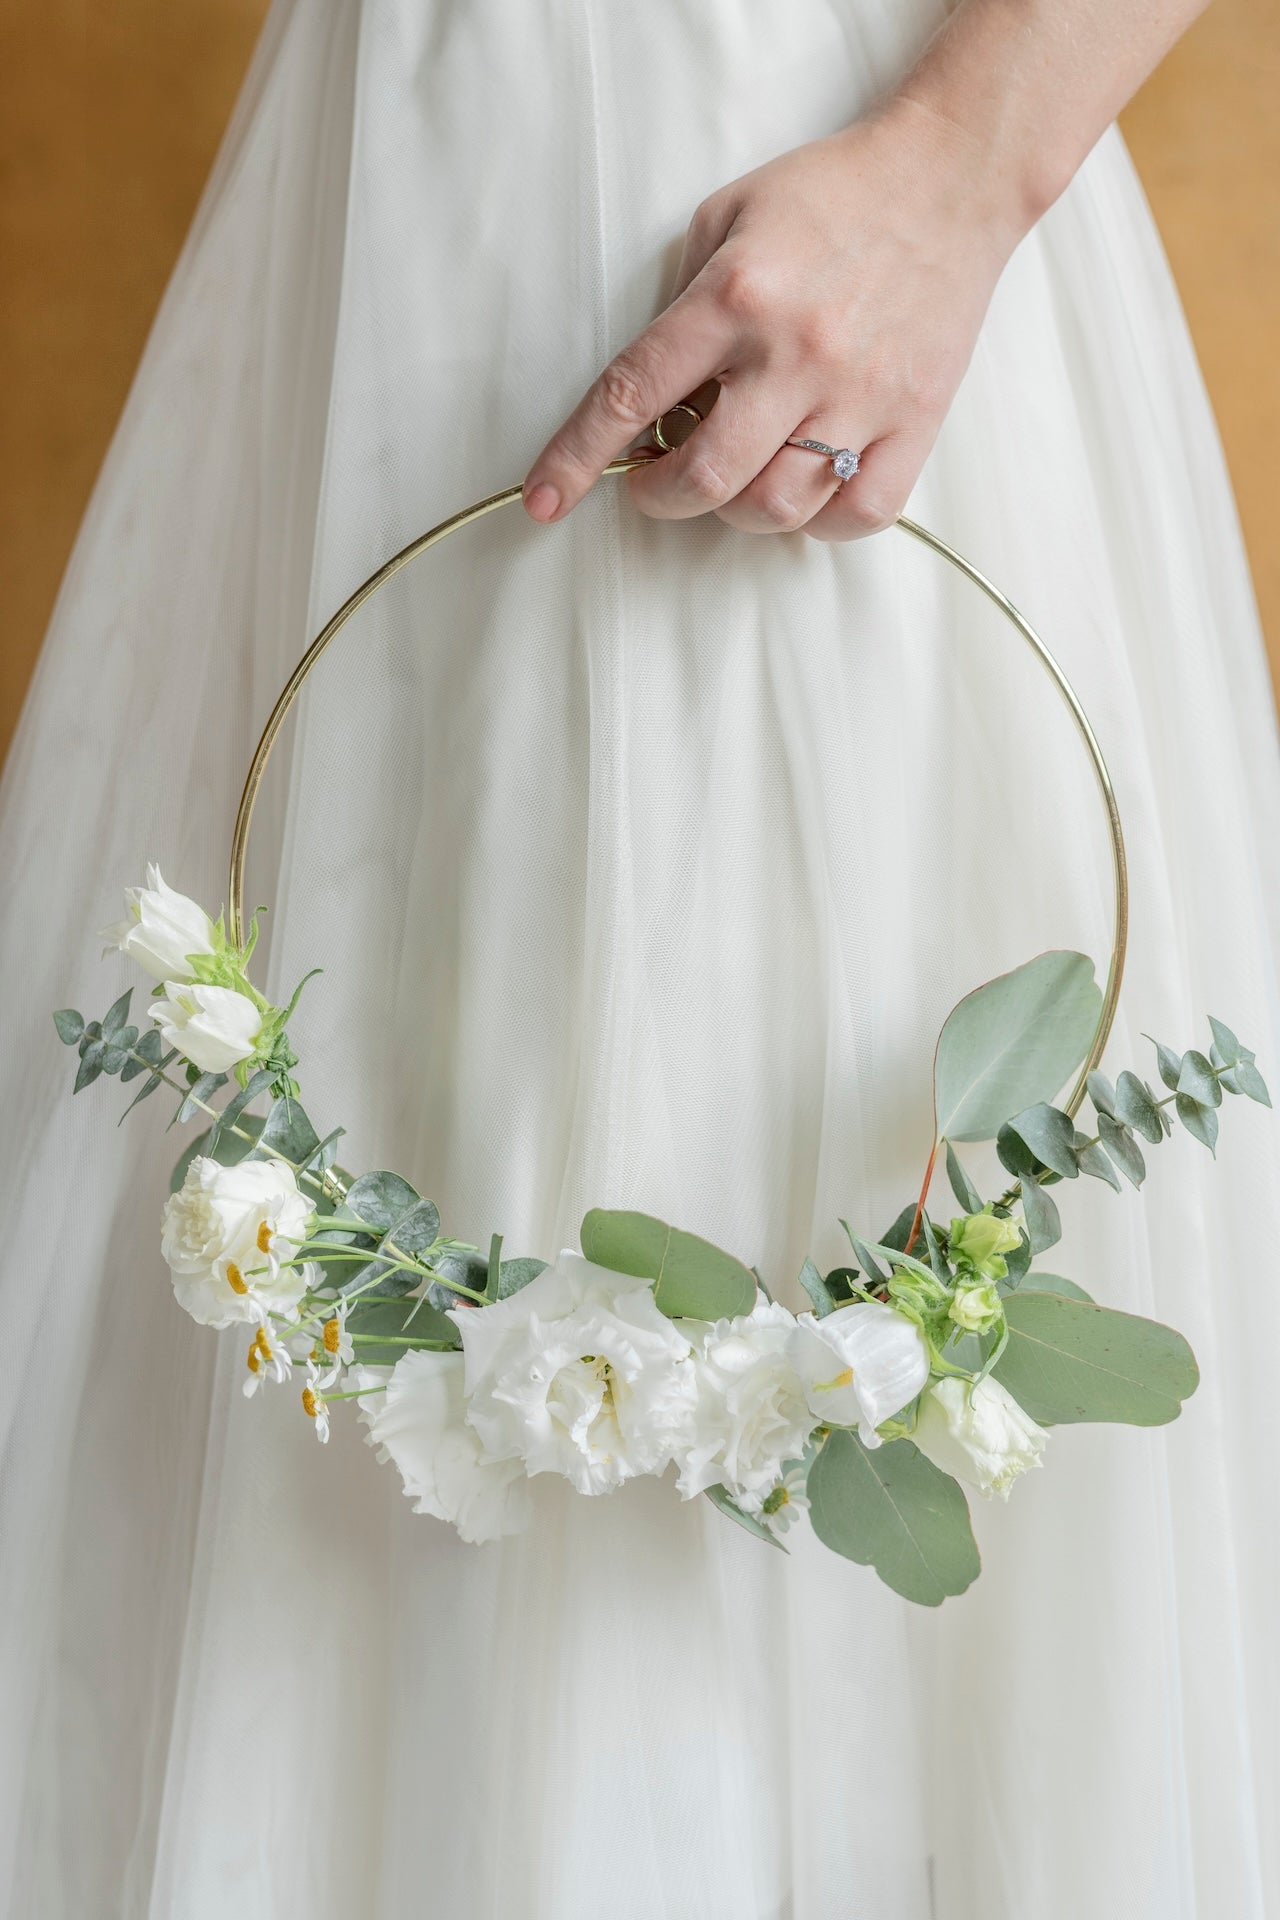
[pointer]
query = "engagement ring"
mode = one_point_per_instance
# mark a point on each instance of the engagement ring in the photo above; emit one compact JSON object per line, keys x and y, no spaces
{"x":844,"y":461}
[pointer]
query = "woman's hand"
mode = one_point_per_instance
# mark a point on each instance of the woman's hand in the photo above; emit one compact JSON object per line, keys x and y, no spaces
{"x":834,"y":294}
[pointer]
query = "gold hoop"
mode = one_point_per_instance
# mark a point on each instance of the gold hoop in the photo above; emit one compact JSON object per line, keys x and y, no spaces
{"x":455,"y":523}
{"x":685,"y":407}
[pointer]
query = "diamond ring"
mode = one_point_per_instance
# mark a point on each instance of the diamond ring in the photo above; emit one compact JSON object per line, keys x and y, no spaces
{"x":844,"y":461}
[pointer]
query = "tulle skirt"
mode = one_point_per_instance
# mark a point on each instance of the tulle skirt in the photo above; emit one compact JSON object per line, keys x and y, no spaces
{"x":643,"y":861}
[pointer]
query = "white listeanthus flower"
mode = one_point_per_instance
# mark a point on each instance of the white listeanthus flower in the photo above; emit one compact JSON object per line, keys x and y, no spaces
{"x":750,"y":1417}
{"x":213,"y":1027}
{"x":579,"y":1373}
{"x":979,"y":1434}
{"x":419,"y":1423}
{"x":860,"y":1365}
{"x":227,"y":1235}
{"x":269,"y":1359}
{"x":161,"y":930}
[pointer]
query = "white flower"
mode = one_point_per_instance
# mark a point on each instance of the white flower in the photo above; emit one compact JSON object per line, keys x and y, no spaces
{"x":161,"y":929}
{"x":314,"y":1404}
{"x":981,"y":1435}
{"x":419,"y":1422}
{"x":226,"y":1234}
{"x":782,"y":1506}
{"x":333,"y":1339}
{"x":750,"y":1417}
{"x":860,"y":1365}
{"x":579,"y":1373}
{"x":269,"y":1359}
{"x":214,"y":1027}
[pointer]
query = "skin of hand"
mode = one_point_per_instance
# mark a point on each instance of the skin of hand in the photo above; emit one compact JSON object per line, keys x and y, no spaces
{"x":836,"y":293}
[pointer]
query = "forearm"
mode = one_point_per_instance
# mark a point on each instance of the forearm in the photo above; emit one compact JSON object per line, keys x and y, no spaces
{"x":1030,"y":85}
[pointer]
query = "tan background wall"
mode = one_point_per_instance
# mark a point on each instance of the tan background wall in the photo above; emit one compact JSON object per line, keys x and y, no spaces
{"x":109,"y":117}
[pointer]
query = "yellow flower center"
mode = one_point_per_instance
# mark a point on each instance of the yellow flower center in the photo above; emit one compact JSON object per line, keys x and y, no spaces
{"x":235,"y":1279}
{"x":844,"y":1379}
{"x":332,"y":1335}
{"x":264,"y":1237}
{"x":263,"y":1344}
{"x":254,"y":1364}
{"x":310,"y":1405}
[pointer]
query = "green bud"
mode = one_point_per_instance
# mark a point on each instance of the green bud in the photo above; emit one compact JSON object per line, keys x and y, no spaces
{"x":977,"y":1308}
{"x":980,"y":1241}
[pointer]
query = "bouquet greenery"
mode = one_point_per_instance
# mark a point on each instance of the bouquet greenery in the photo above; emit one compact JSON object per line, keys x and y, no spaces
{"x":937,"y":1357}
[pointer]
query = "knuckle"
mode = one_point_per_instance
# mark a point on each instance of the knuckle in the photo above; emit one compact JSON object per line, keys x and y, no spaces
{"x":705,"y":481}
{"x":779,"y":509}
{"x":625,"y":393}
{"x":744,"y":292}
{"x":871,"y":510}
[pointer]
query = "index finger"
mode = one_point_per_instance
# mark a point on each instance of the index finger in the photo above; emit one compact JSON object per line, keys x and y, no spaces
{"x":685,"y":346}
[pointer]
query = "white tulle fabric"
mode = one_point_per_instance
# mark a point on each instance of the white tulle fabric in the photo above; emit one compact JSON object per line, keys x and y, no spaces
{"x":643,"y":861}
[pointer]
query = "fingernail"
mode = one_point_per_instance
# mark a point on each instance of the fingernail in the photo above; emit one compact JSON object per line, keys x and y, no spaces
{"x":543,"y":502}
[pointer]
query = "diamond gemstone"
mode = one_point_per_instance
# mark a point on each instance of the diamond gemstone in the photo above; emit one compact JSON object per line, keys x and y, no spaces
{"x":844,"y":463}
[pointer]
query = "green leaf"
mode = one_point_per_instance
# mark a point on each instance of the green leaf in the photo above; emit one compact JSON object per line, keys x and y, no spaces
{"x":407,"y":1322}
{"x":1018,"y":1262}
{"x":198,"y":1096}
{"x":119,"y":1048}
{"x":517,"y":1273}
{"x":1102,"y":1093}
{"x":1015,"y":1155}
{"x":1053,"y":1283}
{"x":457,"y":1267}
{"x":961,"y":1185}
{"x":116,"y":1015}
{"x":494,"y":1275}
{"x":1013,"y":1043}
{"x":872,"y":1272}
{"x":228,"y":1151}
{"x":722,"y":1498}
{"x":388,"y":1204}
{"x":70,"y":1025}
{"x":1123,"y":1148}
{"x":1044,"y":1224}
{"x":1136,"y":1107}
{"x":1092,"y":1160}
{"x":1199,"y":1081}
{"x":900,"y":1232}
{"x":691,"y":1278}
{"x":1050,"y":1134}
{"x":1250,"y":1081}
{"x":891,"y":1509}
{"x":824,"y":1301}
{"x":1200,"y":1122}
{"x":1068,"y":1360}
{"x":1228,"y":1047}
{"x":242,"y":1098}
{"x":289,"y":1133}
{"x":1169,"y":1063}
{"x":90,"y":1065}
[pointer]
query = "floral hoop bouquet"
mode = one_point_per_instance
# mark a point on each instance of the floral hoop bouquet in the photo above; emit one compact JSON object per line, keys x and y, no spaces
{"x":937,"y":1358}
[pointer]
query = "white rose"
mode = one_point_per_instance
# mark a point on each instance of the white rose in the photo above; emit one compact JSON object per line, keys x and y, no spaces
{"x":419,"y":1423}
{"x":860,"y":1365}
{"x":161,"y":929}
{"x":579,"y":1373}
{"x":226,"y":1232}
{"x":981,"y":1435}
{"x":215,"y":1027}
{"x":750,"y":1417}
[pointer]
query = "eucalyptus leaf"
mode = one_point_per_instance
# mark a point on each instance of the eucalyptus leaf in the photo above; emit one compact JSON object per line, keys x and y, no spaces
{"x":1013,"y":1043}
{"x":1123,"y":1148}
{"x":1051,"y":1135}
{"x":1200,"y":1122}
{"x":243,"y":1096}
{"x":380,"y":1199}
{"x":1250,"y":1081}
{"x":1225,"y":1042}
{"x":119,"y":1049}
{"x":1068,"y":1360}
{"x":116,"y":1015}
{"x":1092,"y":1160}
{"x":513,"y":1275}
{"x":721,"y":1497}
{"x":1044,"y":1224}
{"x":691,"y":1278}
{"x":1169,"y":1064}
{"x":198,"y":1096}
{"x":823,"y":1300}
{"x":289,"y":1132}
{"x":1018,"y":1260}
{"x":378,"y":1279}
{"x":90,"y":1065}
{"x":1036,"y":1282}
{"x":409,"y":1324}
{"x":873,"y":1273}
{"x":961,"y":1185}
{"x":70,"y":1025}
{"x":891,"y":1509}
{"x":1136,"y":1107}
{"x":900,"y":1232}
{"x":457,"y":1267}
{"x":1198,"y":1079}
{"x":1102,"y":1093}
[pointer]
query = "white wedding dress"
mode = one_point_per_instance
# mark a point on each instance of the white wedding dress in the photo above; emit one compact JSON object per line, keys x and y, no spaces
{"x":643,"y":861}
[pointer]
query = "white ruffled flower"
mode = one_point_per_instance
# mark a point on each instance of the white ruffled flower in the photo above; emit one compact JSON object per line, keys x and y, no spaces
{"x":750,"y":1416}
{"x":419,"y":1423}
{"x":269,"y":1359}
{"x":161,"y":929}
{"x":213,"y":1027}
{"x":579,"y":1373}
{"x":226,"y":1235}
{"x":860,"y":1365}
{"x":979,"y":1434}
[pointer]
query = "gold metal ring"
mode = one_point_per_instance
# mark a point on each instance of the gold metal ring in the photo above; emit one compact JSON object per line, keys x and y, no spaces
{"x":508,"y":497}
{"x":684,"y":406}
